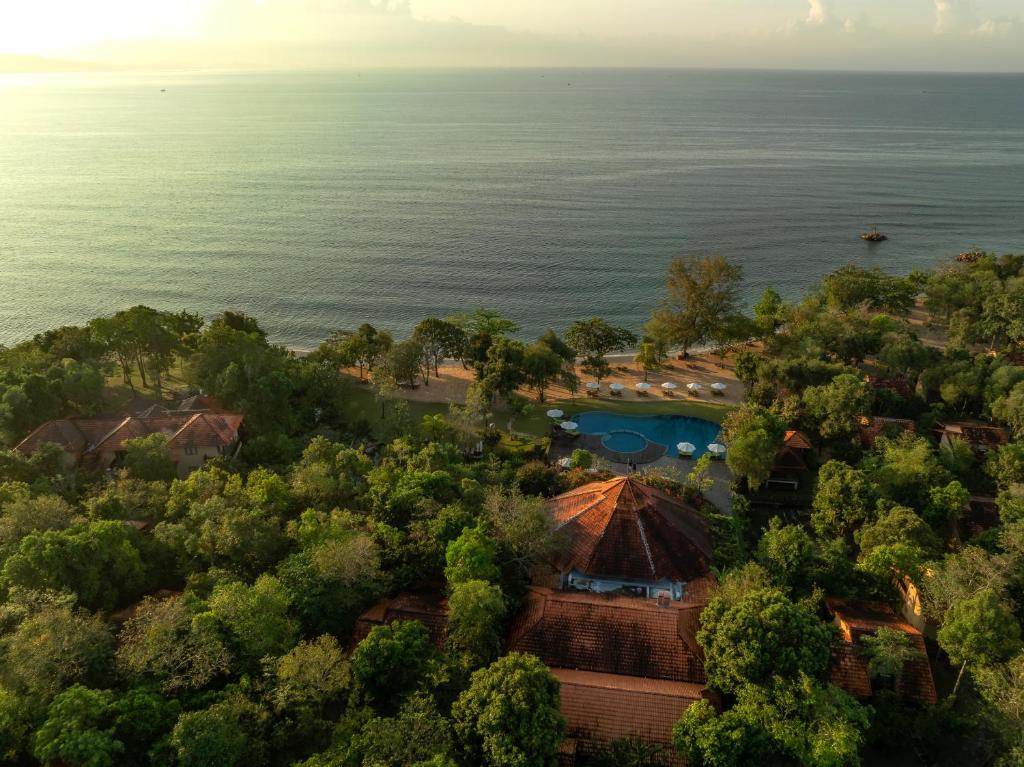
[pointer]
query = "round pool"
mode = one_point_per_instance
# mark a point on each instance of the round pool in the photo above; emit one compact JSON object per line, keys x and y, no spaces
{"x":622,"y":441}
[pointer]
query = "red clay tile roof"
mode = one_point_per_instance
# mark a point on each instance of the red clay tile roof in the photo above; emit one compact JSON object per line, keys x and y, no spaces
{"x":897,"y":384}
{"x":599,"y":708}
{"x":850,"y":667}
{"x":610,"y":634}
{"x":75,"y":435}
{"x":430,"y":609}
{"x":623,"y":528}
{"x":872,"y":428}
{"x":109,"y":435}
{"x":978,"y":434}
{"x":797,"y":440}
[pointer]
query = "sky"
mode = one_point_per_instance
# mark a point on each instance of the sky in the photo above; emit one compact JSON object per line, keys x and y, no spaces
{"x":915,"y":35}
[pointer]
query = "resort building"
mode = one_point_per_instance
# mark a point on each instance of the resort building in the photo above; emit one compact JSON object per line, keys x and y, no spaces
{"x":429,"y":608}
{"x":856,"y":620}
{"x":617,"y":623}
{"x":99,"y":443}
{"x":791,"y":461}
{"x":877,"y":426}
{"x":982,"y":437}
{"x":625,"y":537}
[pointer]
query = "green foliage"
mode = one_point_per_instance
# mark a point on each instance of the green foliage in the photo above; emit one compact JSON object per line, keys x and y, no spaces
{"x":149,"y":458}
{"x":509,"y":716}
{"x":172,"y":643}
{"x":787,"y":554}
{"x":541,"y":367}
{"x":475,"y":612}
{"x":838,"y":406}
{"x":74,"y":732}
{"x":581,"y":458}
{"x":980,"y":628}
{"x":754,"y":435}
{"x":701,"y":292}
{"x":843,"y":500}
{"x":255,"y":617}
{"x":888,"y":651}
{"x":100,"y":563}
{"x":225,"y":733}
{"x":470,"y":557}
{"x":310,"y":675}
{"x":418,"y":736}
{"x":393,"y":662}
{"x":596,"y":338}
{"x":751,"y":637}
{"x":796,"y":722}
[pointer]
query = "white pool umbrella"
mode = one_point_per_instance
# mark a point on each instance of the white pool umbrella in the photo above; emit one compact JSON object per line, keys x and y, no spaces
{"x":716,"y":448}
{"x":570,"y":425}
{"x":555,"y":413}
{"x":593,"y":386}
{"x":616,"y":387}
{"x":642,"y":386}
{"x":565,"y":463}
{"x":718,"y":386}
{"x":686,"y":448}
{"x":669,"y":385}
{"x":694,"y":386}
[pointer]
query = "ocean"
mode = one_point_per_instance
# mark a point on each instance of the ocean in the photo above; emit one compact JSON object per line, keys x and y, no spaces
{"x":321,"y":201}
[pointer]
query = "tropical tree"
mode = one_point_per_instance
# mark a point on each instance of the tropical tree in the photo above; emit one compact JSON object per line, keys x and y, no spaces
{"x":475,"y":612}
{"x":510,"y":716}
{"x":541,"y":367}
{"x":647,"y":358}
{"x":888,"y":650}
{"x":754,"y":435}
{"x":391,"y":663}
{"x":439,"y":339}
{"x":759,"y":635}
{"x":980,"y":629}
{"x":596,"y":338}
{"x":701,"y":292}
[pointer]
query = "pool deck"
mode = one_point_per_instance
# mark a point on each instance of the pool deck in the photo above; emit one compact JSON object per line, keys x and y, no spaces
{"x":651,"y":458}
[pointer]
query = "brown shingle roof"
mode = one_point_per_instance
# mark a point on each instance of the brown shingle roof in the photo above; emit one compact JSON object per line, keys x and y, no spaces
{"x":797,"y":440}
{"x":623,"y":528}
{"x":610,"y":634}
{"x":109,"y":435}
{"x":850,"y":666}
{"x":980,"y":435}
{"x":599,"y":708}
{"x":872,"y":428}
{"x":430,"y":609}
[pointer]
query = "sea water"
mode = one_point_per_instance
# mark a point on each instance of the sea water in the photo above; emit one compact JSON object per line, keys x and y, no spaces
{"x":321,"y":201}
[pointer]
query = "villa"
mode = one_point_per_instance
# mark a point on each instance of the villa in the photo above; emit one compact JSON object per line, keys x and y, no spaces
{"x":617,"y":622}
{"x":849,"y":670}
{"x":194,"y":437}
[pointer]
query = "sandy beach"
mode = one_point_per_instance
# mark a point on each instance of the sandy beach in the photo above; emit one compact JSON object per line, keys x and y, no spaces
{"x":703,"y":368}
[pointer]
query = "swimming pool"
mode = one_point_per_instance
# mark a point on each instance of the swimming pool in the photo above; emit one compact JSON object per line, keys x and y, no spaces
{"x":629,"y":433}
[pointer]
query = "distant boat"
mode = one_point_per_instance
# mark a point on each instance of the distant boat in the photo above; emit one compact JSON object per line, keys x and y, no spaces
{"x":163,"y":90}
{"x":874,"y":235}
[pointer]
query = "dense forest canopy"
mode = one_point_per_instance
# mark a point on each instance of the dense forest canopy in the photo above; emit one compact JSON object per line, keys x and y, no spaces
{"x":208,"y":619}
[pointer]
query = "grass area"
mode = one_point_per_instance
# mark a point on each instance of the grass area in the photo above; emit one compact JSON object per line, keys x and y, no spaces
{"x":363,"y":403}
{"x":117,"y":394}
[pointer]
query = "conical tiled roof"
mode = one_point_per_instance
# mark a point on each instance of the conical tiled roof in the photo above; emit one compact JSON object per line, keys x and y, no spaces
{"x":623,"y":528}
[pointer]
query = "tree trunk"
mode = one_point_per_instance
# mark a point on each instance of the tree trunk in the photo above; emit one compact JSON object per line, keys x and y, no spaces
{"x":959,"y":677}
{"x":142,"y":369}
{"x":645,"y":375}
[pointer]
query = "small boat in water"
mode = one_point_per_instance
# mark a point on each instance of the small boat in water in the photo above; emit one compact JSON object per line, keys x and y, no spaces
{"x":874,"y":235}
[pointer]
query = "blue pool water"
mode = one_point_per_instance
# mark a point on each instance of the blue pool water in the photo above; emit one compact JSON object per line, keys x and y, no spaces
{"x":624,"y":432}
{"x":624,"y":441}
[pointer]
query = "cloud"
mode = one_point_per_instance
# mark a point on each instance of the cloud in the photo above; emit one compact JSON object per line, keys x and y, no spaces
{"x":953,"y":16}
{"x":377,"y":7}
{"x":1001,"y":26}
{"x":818,"y":12}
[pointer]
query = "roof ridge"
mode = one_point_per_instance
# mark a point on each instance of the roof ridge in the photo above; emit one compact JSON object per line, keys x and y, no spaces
{"x":109,"y":434}
{"x":185,"y":425}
